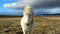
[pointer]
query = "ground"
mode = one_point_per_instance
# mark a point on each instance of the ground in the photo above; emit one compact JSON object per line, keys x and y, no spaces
{"x":43,"y":25}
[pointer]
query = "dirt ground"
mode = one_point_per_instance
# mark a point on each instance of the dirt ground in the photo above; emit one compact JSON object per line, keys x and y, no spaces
{"x":43,"y":25}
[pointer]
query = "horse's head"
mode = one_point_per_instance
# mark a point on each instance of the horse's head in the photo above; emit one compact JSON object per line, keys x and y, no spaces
{"x":28,"y":10}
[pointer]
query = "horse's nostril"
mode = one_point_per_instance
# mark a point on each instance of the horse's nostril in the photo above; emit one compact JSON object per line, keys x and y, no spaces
{"x":27,"y":24}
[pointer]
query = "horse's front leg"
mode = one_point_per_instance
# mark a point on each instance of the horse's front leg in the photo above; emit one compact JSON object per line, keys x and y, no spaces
{"x":24,"y":32}
{"x":31,"y":31}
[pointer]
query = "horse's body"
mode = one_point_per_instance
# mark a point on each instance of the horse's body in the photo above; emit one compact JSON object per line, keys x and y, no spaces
{"x":27,"y":20}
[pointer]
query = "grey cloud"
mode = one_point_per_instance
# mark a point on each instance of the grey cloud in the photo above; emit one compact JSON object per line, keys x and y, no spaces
{"x":34,"y":3}
{"x":51,"y":3}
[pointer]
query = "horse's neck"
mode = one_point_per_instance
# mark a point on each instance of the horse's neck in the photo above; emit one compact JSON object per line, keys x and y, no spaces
{"x":28,"y":16}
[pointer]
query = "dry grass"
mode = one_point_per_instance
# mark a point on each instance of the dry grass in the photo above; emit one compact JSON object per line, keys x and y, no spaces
{"x":43,"y":25}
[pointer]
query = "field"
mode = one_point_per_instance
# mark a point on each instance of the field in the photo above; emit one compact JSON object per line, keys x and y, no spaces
{"x":43,"y":25}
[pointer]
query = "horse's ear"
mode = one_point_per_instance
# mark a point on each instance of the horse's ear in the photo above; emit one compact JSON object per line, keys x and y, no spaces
{"x":24,"y":9}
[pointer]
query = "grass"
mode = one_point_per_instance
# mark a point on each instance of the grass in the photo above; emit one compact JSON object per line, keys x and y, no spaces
{"x":43,"y":25}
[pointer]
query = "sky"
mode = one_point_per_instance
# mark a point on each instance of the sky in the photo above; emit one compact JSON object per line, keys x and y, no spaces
{"x":7,"y":11}
{"x":15,"y":7}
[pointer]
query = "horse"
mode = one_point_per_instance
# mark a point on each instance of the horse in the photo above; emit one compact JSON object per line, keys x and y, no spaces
{"x":27,"y":21}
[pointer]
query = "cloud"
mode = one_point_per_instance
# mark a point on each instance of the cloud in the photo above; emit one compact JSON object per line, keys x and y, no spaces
{"x":14,"y":5}
{"x":55,"y":10}
{"x":35,"y":3}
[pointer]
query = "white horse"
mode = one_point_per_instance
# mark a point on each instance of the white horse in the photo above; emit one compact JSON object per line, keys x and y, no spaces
{"x":27,"y":21}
